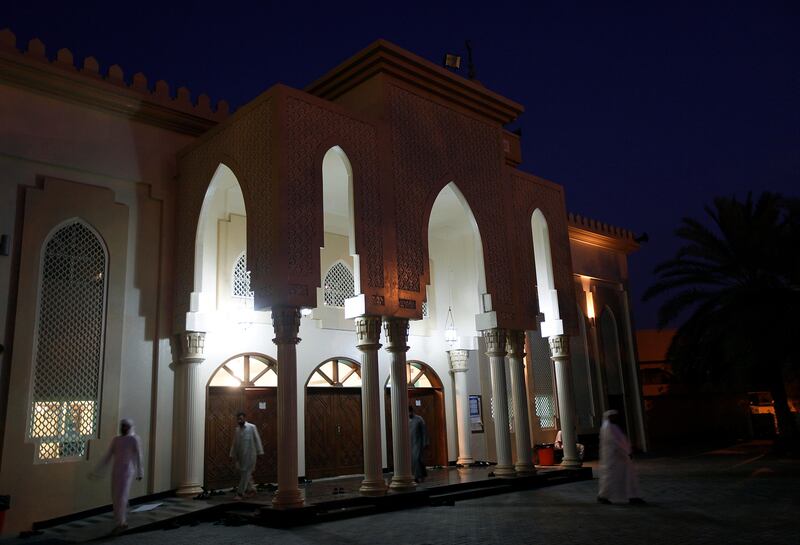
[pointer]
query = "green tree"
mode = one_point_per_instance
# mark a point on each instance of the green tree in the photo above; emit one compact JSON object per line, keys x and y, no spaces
{"x":735,"y":287}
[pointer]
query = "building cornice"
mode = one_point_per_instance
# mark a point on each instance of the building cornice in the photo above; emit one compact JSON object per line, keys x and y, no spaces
{"x":108,"y":92}
{"x":595,"y":233}
{"x":382,"y":57}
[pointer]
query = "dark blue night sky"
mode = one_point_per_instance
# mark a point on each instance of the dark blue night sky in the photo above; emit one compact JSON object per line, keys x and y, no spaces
{"x":642,"y":113}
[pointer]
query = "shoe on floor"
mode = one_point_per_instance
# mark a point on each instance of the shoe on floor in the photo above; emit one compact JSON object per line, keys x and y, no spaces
{"x":604,"y":501}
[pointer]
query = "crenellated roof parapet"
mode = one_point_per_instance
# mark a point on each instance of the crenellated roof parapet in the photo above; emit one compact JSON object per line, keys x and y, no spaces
{"x":595,"y":232}
{"x":110,"y":91}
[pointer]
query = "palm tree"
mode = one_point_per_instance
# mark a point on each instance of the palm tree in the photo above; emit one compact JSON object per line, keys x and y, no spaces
{"x":735,"y":286}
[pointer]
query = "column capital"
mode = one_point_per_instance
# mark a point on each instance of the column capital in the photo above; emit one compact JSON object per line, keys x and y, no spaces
{"x":516,"y":343}
{"x":458,"y":359}
{"x":559,"y":346}
{"x":286,"y":322}
{"x":495,"y":341}
{"x":396,"y":330}
{"x":189,"y":346}
{"x":368,"y":332}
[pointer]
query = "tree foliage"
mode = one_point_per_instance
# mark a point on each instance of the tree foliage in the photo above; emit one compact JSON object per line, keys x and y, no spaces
{"x":734,"y":287}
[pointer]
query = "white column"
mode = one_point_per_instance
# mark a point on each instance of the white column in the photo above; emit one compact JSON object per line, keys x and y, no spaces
{"x":368,"y":334}
{"x":396,"y":330}
{"x":559,"y":352}
{"x":458,"y":368}
{"x":516,"y":353}
{"x":496,"y":350}
{"x":190,"y":410}
{"x":286,"y":322}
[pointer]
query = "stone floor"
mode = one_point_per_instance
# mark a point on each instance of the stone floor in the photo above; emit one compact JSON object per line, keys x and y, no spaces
{"x":740,"y":494}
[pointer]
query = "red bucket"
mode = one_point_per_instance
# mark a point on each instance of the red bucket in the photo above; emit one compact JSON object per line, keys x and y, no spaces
{"x":546,"y":456}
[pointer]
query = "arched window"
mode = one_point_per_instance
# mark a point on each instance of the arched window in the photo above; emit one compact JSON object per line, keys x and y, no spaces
{"x":68,"y":354}
{"x":247,"y":371}
{"x":240,"y":283}
{"x":336,"y":373}
{"x":338,"y":285}
{"x":543,"y":392}
{"x":419,"y":375}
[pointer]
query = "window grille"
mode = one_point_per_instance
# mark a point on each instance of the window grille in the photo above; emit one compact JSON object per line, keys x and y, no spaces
{"x":336,"y":373}
{"x":338,"y":285}
{"x":68,"y":356}
{"x":543,"y":395}
{"x":426,"y":313}
{"x":241,"y":278}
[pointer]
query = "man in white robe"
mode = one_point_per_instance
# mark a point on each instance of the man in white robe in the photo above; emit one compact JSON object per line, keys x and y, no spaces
{"x":618,"y":479}
{"x":246,"y":447}
{"x":127,"y":455}
{"x":558,"y":444}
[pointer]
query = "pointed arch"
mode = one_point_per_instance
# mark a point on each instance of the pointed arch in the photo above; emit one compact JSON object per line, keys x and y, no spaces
{"x":545,"y":283}
{"x":338,"y":205}
{"x":338,"y":284}
{"x":223,"y":194}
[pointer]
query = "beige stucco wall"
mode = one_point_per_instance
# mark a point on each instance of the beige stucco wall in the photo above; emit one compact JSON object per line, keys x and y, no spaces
{"x":119,"y":175}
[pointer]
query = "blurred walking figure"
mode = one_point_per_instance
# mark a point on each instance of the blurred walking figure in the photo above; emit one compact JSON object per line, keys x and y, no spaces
{"x":127,"y":456}
{"x":418,"y":435}
{"x":246,"y":447}
{"x":618,"y":479}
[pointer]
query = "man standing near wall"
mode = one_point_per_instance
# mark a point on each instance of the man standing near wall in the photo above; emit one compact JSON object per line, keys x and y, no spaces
{"x":246,"y":447}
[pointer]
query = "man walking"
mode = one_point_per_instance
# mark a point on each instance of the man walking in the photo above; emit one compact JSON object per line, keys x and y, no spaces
{"x":418,"y":435}
{"x":246,"y":446}
{"x":127,"y":456}
{"x":618,"y":480}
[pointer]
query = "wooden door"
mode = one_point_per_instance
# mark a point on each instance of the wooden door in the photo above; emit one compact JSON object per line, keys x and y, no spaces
{"x":431,"y":409}
{"x":261,"y":407}
{"x":334,"y":441}
{"x":222,"y":405}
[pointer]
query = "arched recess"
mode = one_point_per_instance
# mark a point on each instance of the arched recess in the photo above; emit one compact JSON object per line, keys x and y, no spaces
{"x":334,"y":441}
{"x":583,"y":376}
{"x":245,"y":382}
{"x":545,"y":283}
{"x":69,"y":342}
{"x":339,"y":230}
{"x":426,"y":395}
{"x":454,"y":243}
{"x":221,"y":236}
{"x":611,"y":354}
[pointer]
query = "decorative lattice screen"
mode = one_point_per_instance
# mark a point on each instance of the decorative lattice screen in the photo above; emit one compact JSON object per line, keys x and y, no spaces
{"x":68,"y":358}
{"x":426,"y":312}
{"x":338,"y":285}
{"x":241,"y":278}
{"x":543,"y":395}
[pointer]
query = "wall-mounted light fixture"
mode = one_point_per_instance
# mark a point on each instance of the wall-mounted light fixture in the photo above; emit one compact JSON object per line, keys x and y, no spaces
{"x":450,"y":333}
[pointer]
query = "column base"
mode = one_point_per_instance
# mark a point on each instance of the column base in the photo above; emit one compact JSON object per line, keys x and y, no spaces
{"x":403,"y":483}
{"x":287,"y":499}
{"x":525,"y":469}
{"x":190,"y":489}
{"x":373,"y":488}
{"x":504,"y":471}
{"x":465,"y":461}
{"x":571,"y":463}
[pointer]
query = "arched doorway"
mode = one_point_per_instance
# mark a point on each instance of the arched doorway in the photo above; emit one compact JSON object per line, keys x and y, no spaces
{"x":248,"y":383}
{"x":334,"y":442}
{"x":426,"y":395}
{"x":612,"y":365}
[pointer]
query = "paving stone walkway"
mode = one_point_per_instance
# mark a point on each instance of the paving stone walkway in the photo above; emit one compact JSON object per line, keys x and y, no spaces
{"x":740,"y":494}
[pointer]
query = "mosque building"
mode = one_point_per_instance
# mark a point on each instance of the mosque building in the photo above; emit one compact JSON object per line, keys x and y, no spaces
{"x":320,"y":259}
